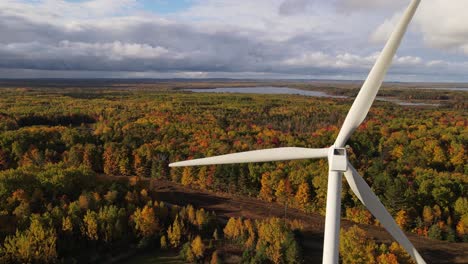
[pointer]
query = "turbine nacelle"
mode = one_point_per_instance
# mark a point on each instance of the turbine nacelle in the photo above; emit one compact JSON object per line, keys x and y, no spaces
{"x":337,"y":159}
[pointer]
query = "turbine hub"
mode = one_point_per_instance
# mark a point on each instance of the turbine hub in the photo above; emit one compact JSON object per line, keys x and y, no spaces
{"x":337,"y":159}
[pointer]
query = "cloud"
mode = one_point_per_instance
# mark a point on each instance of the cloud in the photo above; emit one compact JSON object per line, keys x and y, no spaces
{"x":292,"y":7}
{"x":115,"y":51}
{"x":442,"y":25}
{"x":212,"y":38}
{"x":55,"y":10}
{"x":382,"y":33}
{"x":349,"y":62}
{"x":360,"y":5}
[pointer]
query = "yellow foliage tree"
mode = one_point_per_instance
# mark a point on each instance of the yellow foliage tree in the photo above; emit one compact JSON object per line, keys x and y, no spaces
{"x":462,"y":226}
{"x":146,"y":223}
{"x":163,"y":242}
{"x":191,"y":214}
{"x":249,"y":228}
{"x":139,"y":165}
{"x":458,"y":156}
{"x":280,"y":193}
{"x":202,"y":175}
{"x":271,"y":237}
{"x":428,"y":216}
{"x":174,"y":233}
{"x":402,"y":219}
{"x":231,"y":230}
{"x":198,"y":248}
{"x":303,"y":195}
{"x":359,"y":215}
{"x":37,"y":244}
{"x":388,"y":258}
{"x":397,"y":152}
{"x":266,"y":193}
{"x":401,"y":254}
{"x":187,"y":177}
{"x":355,"y":247}
{"x":67,"y":225}
{"x":201,"y":218}
{"x":439,"y":155}
{"x":90,"y":225}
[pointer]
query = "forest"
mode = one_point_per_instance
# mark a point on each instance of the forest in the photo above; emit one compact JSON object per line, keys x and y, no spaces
{"x":65,"y":151}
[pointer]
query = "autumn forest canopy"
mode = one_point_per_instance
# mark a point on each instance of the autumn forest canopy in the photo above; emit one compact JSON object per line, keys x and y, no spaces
{"x":77,"y":167}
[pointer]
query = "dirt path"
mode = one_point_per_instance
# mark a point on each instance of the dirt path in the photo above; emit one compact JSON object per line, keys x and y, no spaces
{"x":226,"y":206}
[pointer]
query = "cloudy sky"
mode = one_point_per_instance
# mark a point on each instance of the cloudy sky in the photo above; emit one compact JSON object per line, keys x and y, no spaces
{"x":319,"y":39}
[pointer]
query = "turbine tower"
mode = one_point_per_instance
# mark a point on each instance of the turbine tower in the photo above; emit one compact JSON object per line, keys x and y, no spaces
{"x":336,"y":154}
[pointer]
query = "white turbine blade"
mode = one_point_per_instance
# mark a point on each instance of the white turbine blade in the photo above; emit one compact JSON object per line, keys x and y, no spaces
{"x":369,"y":89}
{"x":264,"y":155}
{"x":372,"y":202}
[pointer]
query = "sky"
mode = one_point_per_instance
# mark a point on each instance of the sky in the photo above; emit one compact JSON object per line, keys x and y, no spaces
{"x":260,"y":39}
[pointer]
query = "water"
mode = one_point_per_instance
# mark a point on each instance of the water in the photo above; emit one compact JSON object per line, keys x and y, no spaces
{"x":287,"y":90}
{"x":403,"y":103}
{"x":462,"y":89}
{"x":265,"y":90}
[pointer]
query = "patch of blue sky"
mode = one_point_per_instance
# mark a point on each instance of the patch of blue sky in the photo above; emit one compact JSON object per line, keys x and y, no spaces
{"x":165,"y":6}
{"x":157,"y":6}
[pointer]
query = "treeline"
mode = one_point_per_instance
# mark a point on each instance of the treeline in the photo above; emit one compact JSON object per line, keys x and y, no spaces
{"x":415,"y":159}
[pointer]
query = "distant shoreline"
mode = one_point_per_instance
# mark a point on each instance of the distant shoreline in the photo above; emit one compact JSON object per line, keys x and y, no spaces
{"x":215,"y":83}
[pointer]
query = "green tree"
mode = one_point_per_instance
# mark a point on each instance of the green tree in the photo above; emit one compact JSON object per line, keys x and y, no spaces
{"x":461,"y":206}
{"x":111,"y":223}
{"x":435,"y":232}
{"x":92,"y":157}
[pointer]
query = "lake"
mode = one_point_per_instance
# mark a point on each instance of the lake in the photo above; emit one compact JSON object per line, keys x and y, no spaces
{"x":287,"y":90}
{"x":265,"y":90}
{"x":462,"y":89}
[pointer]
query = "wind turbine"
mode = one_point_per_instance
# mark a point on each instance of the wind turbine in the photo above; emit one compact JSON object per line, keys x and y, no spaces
{"x":336,"y":154}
